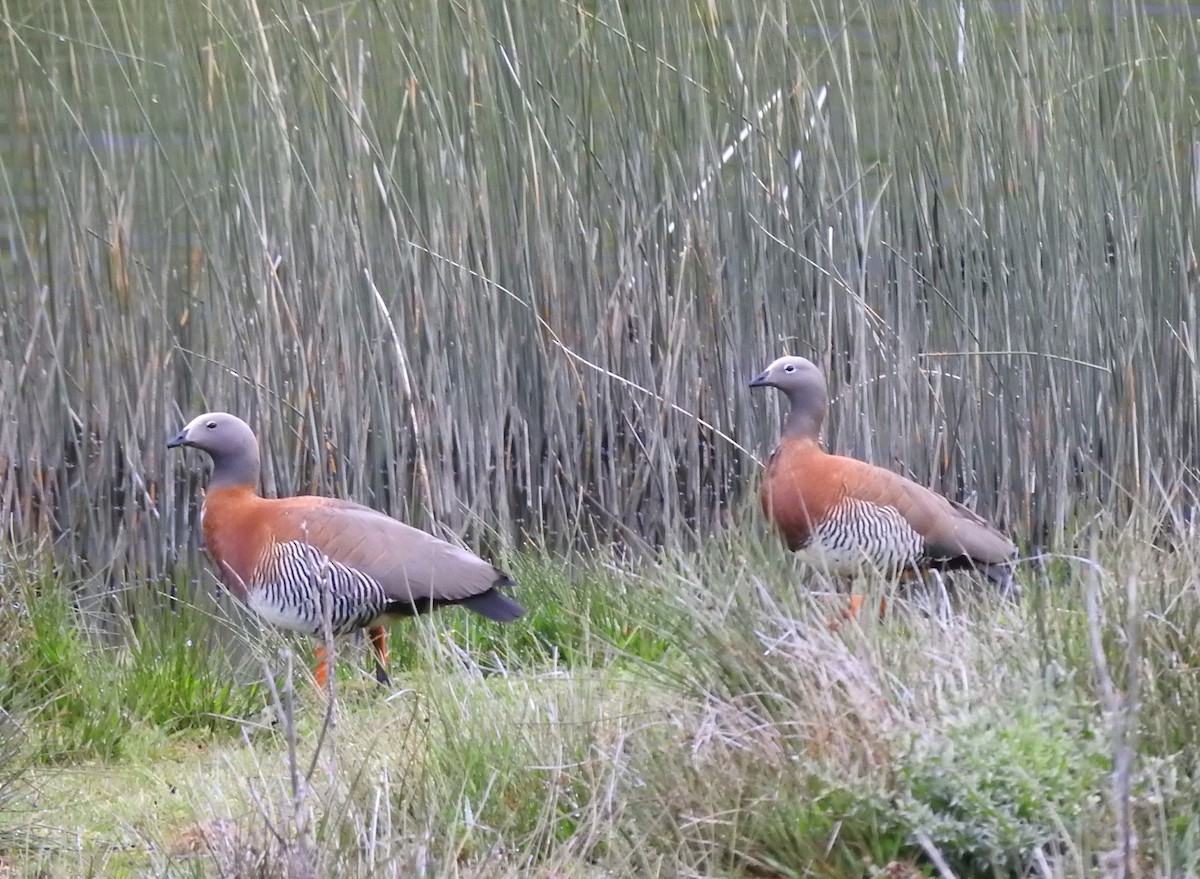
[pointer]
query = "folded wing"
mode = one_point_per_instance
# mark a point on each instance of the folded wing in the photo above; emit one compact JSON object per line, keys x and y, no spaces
{"x":948,"y":528}
{"x":411,"y":565}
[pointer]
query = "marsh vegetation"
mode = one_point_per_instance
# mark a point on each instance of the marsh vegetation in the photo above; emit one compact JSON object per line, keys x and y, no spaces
{"x":504,"y":270}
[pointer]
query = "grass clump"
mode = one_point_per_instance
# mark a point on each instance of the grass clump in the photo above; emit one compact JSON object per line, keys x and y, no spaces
{"x":517,"y":767}
{"x":86,"y":699}
{"x":178,"y":676}
{"x":994,"y":789}
{"x":934,"y":740}
{"x":590,"y":609}
{"x":958,"y":792}
{"x":49,"y":674}
{"x":580,"y":612}
{"x":928,"y":738}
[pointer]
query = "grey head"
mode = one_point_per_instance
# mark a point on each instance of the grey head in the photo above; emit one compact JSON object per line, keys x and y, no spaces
{"x":808,"y":396}
{"x":230,"y":443}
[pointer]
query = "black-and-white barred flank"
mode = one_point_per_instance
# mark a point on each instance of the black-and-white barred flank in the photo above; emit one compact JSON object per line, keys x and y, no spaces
{"x":857,"y":533}
{"x":294,"y":579}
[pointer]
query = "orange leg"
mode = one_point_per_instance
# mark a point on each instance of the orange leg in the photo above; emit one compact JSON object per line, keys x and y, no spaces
{"x":851,"y":612}
{"x":378,"y":636}
{"x":835,"y":623}
{"x":321,"y":671}
{"x":856,"y":603}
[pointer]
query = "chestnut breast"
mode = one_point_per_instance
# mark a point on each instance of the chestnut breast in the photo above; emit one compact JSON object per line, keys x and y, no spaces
{"x":801,"y":487}
{"x":237,"y":534}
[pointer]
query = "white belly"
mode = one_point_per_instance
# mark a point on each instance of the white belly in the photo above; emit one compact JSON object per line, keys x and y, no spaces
{"x":837,"y":561}
{"x":283,"y":617}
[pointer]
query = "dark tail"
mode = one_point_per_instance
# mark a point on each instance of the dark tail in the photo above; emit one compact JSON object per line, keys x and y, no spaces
{"x":494,"y":605}
{"x":1002,"y":576}
{"x":1000,"y":573}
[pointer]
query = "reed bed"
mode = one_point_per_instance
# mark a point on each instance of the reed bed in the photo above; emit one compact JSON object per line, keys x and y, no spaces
{"x":486,"y":266}
{"x":504,"y":270}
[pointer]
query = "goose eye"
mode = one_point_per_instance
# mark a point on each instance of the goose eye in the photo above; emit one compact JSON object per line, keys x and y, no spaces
{"x":789,"y":368}
{"x":212,"y":425}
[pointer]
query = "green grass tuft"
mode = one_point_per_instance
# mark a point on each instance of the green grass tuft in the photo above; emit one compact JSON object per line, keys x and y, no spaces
{"x":90,"y":700}
{"x":581,"y":612}
{"x":998,"y":785}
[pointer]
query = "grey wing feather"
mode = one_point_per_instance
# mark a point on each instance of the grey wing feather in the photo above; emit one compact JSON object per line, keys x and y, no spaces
{"x":408,"y":563}
{"x":949,"y":529}
{"x":978,"y":539}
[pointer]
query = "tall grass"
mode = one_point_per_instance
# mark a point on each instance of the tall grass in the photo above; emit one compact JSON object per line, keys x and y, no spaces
{"x":933,"y":741}
{"x":84,"y":699}
{"x":425,"y":250}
